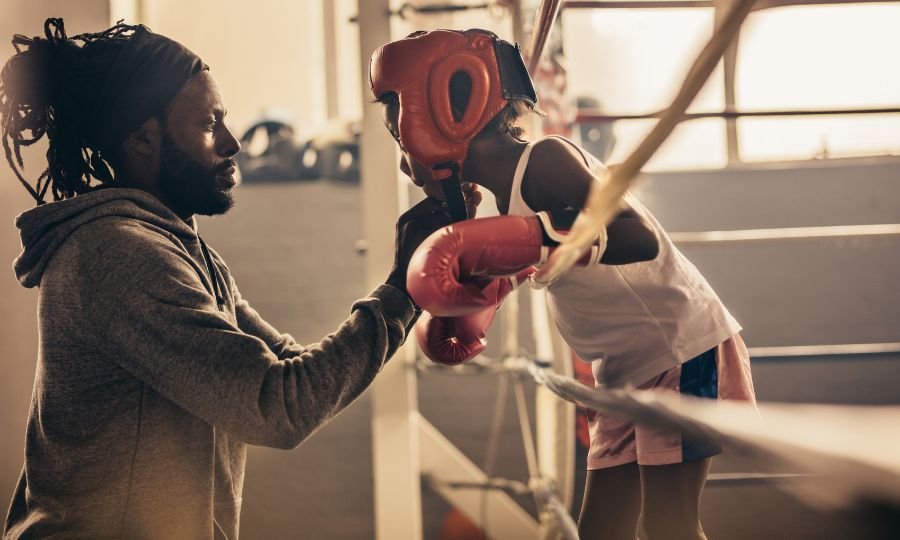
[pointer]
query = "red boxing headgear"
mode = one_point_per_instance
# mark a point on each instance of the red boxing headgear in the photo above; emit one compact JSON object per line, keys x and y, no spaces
{"x":418,"y":69}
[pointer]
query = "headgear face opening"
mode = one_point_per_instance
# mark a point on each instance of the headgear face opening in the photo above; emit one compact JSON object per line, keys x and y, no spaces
{"x":419,"y":68}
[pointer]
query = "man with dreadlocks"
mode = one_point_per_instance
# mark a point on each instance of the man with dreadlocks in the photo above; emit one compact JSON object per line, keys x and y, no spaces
{"x":153,"y":372}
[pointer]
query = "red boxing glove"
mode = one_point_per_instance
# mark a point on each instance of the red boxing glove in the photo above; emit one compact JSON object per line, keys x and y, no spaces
{"x":440,"y":274}
{"x":454,"y":340}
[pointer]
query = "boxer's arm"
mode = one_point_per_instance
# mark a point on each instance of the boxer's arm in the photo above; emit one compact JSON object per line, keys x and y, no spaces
{"x":558,"y":180}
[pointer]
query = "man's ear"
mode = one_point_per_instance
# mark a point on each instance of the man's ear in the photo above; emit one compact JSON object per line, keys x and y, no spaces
{"x":145,"y":140}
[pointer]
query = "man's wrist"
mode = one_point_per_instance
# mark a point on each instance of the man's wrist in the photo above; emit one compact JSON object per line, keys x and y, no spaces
{"x":400,"y":284}
{"x":396,"y":281}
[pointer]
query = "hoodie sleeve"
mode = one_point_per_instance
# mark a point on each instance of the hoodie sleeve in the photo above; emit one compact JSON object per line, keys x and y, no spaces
{"x":160,"y":324}
{"x":248,"y":320}
{"x":283,"y":345}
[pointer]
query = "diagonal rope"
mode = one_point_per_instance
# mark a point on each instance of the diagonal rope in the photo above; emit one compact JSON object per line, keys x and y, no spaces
{"x":605,"y":194}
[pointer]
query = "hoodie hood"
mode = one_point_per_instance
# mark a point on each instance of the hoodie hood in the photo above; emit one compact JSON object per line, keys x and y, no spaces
{"x":44,"y":229}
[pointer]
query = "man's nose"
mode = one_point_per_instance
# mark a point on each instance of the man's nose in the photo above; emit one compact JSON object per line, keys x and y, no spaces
{"x":229,"y":145}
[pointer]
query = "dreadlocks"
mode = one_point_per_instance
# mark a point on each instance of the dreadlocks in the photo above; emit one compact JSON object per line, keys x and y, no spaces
{"x":49,"y":87}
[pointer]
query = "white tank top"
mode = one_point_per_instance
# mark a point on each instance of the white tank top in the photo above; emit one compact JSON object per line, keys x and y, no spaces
{"x":633,"y":321}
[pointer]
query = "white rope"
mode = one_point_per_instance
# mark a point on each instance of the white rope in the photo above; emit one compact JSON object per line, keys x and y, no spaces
{"x":844,"y":349}
{"x":566,"y":525}
{"x":490,"y":454}
{"x":493,"y":443}
{"x":545,"y":493}
{"x":792,"y":233}
{"x":851,"y":449}
{"x":525,"y":427}
{"x":561,"y":523}
{"x":605,"y":193}
{"x":843,"y":455}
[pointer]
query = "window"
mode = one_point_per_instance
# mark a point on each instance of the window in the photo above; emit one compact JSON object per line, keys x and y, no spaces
{"x":806,"y":57}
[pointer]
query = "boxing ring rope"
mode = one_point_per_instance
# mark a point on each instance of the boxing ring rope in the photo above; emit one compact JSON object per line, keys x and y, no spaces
{"x":591,"y":115}
{"x":700,"y":419}
{"x":737,"y":426}
{"x":484,"y":365}
{"x":871,"y":476}
{"x":729,"y":115}
{"x":656,"y":4}
{"x":546,"y":16}
{"x":848,"y":477}
{"x":789,"y":233}
{"x":875,"y":475}
{"x":604,"y":196}
{"x":726,"y":31}
{"x":847,"y":349}
{"x":638,"y":4}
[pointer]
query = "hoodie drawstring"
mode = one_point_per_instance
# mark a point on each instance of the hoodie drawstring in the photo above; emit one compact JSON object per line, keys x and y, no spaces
{"x":213,"y":274}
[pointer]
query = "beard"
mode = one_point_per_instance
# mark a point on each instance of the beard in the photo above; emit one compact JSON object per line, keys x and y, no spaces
{"x":190,"y":187}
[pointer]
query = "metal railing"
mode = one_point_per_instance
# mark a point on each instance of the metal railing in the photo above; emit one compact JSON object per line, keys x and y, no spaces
{"x":788,"y":233}
{"x":592,"y":115}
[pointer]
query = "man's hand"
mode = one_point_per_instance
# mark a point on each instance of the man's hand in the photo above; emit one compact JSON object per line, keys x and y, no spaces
{"x":414,"y":226}
{"x":472,"y":196}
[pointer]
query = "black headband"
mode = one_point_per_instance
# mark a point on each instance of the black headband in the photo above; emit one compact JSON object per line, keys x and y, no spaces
{"x":148,"y":72}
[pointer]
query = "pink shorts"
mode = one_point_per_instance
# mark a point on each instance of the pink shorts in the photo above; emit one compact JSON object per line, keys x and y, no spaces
{"x":720,"y":373}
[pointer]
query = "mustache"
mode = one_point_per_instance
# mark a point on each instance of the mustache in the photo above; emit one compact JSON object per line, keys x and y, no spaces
{"x":224,"y":166}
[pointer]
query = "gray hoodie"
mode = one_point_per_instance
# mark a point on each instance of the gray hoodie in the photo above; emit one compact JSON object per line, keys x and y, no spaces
{"x":147,"y":392}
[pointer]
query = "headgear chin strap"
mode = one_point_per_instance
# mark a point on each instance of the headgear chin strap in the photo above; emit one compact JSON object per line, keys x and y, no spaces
{"x":419,"y":68}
